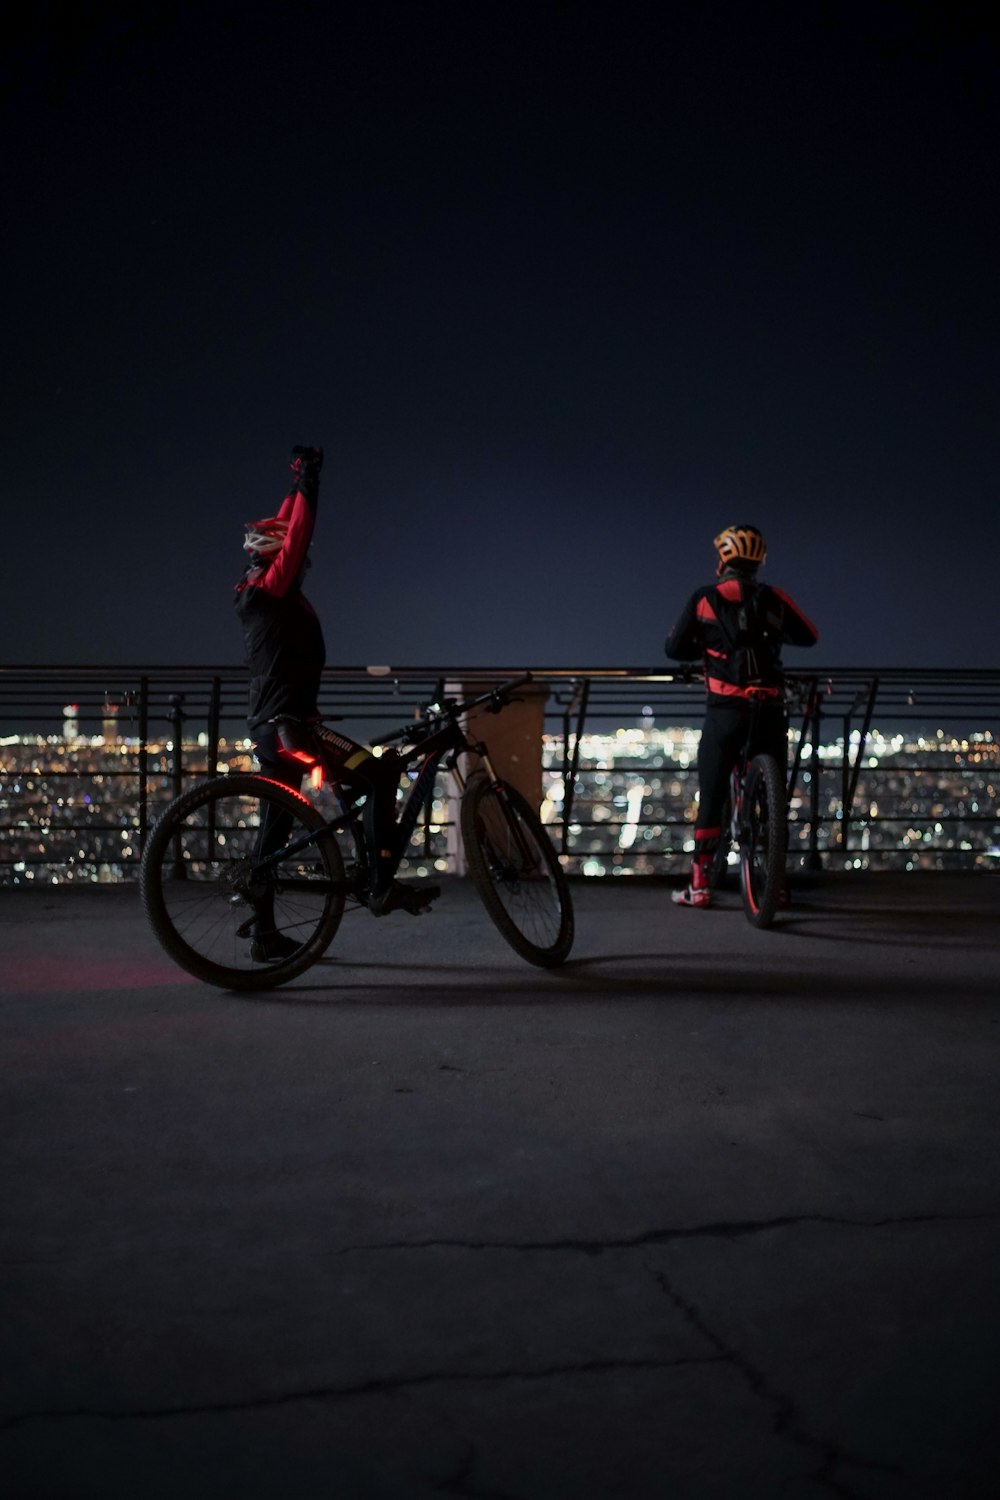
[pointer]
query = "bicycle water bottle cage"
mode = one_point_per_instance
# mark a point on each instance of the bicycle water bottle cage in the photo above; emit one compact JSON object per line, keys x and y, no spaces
{"x":297,"y":741}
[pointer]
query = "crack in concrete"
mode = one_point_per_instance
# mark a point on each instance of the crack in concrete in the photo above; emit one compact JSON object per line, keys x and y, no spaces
{"x":461,"y":1482}
{"x":786,"y":1423}
{"x":375,"y":1387}
{"x":722,"y":1229}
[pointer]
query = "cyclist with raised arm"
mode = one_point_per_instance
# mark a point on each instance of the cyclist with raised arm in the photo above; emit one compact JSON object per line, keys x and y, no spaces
{"x":736,"y":627}
{"x":286,"y":654}
{"x":281,"y":630}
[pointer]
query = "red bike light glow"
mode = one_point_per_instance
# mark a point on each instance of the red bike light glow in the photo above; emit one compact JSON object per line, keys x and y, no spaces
{"x":303,"y":756}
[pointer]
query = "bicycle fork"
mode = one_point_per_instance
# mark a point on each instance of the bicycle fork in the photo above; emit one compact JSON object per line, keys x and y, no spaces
{"x":527,"y":856}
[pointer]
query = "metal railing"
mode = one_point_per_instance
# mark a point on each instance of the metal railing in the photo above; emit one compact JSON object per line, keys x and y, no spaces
{"x":888,"y":767}
{"x":896,"y":768}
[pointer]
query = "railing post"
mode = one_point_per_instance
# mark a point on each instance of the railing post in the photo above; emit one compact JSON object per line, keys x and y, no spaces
{"x":214,"y":714}
{"x":851,"y":770}
{"x":845,"y":764}
{"x":815,"y":860}
{"x":212,"y":769}
{"x":143,"y":762}
{"x":176,"y":717}
{"x":570,"y":775}
{"x":862,"y":742}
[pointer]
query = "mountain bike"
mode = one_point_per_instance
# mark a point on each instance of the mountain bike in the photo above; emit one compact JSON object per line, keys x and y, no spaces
{"x":241,"y":845}
{"x":754,"y":822}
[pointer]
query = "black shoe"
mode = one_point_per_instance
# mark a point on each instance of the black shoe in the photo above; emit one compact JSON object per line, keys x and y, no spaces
{"x":418,"y":898}
{"x":272,"y":948}
{"x":399,"y":897}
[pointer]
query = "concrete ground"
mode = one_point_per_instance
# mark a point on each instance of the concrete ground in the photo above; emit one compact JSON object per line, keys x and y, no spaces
{"x":707,"y":1213}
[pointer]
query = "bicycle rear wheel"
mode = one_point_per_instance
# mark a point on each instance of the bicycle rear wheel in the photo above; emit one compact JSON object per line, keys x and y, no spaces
{"x":516,"y":872}
{"x":238,"y":869}
{"x":763,"y":840}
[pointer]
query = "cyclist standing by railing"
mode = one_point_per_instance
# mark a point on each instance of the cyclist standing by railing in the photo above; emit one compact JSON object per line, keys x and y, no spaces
{"x":737,"y":627}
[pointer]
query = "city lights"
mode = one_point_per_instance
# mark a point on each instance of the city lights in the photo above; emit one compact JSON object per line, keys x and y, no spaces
{"x":69,"y":803}
{"x":920,"y":803}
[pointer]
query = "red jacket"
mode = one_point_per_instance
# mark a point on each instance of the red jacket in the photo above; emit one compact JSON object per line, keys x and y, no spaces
{"x":284,"y":643}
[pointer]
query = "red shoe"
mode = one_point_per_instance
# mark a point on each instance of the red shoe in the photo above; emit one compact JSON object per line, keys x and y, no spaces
{"x":691,"y":897}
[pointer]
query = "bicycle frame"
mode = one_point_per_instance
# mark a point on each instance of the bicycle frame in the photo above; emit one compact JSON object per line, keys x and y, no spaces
{"x":738,"y":774}
{"x":445,"y":744}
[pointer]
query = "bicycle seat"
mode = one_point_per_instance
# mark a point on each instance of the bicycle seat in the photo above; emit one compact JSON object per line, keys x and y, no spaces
{"x":297,"y":740}
{"x":310,"y":742}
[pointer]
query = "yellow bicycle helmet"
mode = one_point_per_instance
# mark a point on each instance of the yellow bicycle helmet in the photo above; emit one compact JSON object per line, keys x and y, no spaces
{"x":740,"y":544}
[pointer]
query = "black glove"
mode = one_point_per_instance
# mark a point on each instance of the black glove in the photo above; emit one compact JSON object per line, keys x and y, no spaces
{"x":306,"y":458}
{"x":305,"y":464}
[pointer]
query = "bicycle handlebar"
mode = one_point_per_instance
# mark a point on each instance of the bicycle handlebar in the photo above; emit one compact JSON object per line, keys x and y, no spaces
{"x":496,"y":699}
{"x":791,"y":692}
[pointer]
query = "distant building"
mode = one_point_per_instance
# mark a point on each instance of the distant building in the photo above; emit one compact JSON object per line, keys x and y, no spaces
{"x":109,"y":722}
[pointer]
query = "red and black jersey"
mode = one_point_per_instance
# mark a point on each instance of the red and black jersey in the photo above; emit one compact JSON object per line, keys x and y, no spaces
{"x":738,"y":627}
{"x":284,"y":643}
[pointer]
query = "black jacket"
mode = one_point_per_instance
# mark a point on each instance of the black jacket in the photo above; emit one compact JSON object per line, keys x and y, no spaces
{"x":738,"y":627}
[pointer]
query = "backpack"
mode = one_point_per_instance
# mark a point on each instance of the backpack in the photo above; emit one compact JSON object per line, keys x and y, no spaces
{"x":753,"y":651}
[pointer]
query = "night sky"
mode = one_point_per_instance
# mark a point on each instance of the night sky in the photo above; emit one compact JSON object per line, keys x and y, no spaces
{"x":561,"y":288}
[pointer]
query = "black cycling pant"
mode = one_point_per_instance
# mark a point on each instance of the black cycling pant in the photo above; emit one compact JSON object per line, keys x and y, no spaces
{"x":276,"y":823}
{"x":374,"y":777}
{"x":723,"y":736}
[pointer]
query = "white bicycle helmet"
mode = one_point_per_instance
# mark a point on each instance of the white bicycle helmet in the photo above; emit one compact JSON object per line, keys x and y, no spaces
{"x":265,"y":537}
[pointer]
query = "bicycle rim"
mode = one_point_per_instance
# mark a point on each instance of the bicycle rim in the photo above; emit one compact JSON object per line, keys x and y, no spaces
{"x":517,"y":872}
{"x":763,"y":839}
{"x":224,"y":913}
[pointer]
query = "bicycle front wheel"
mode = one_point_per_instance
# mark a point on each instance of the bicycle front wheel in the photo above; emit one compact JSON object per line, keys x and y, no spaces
{"x":516,"y":872}
{"x":763,"y":840}
{"x":243,"y":882}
